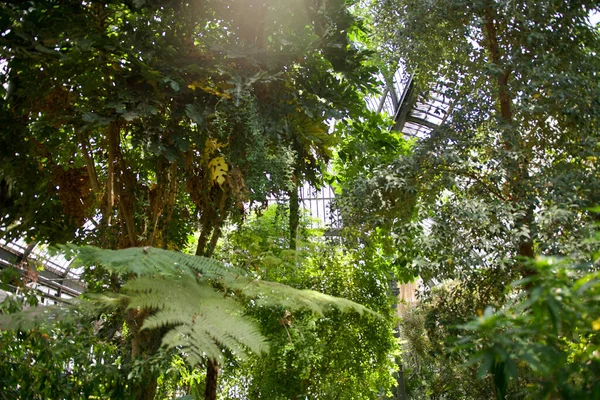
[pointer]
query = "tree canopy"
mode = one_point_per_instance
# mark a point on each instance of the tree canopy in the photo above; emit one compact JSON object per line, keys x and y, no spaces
{"x":510,"y":174}
{"x":138,"y":123}
{"x":196,"y":108}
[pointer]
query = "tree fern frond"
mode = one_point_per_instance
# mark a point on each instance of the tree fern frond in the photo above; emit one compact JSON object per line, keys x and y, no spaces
{"x":269,"y":293}
{"x":232,"y":329}
{"x":208,"y":267}
{"x":203,"y":318}
{"x":196,"y":296}
{"x":193,"y":344}
{"x":175,"y":293}
{"x":149,"y":261}
{"x":166,"y":318}
{"x":153,"y":261}
{"x":132,"y":260}
{"x":107,"y":299}
{"x":77,"y":308}
{"x":32,"y":317}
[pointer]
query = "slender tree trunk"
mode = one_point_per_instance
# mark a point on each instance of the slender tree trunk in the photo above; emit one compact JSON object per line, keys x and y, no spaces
{"x":122,"y":183}
{"x":170,"y":206}
{"x":120,"y":195}
{"x":212,"y":373}
{"x":206,"y":229}
{"x":89,"y":165}
{"x":517,"y":170}
{"x":211,"y":231}
{"x":146,"y":389}
{"x":110,"y":178}
{"x":144,"y":343}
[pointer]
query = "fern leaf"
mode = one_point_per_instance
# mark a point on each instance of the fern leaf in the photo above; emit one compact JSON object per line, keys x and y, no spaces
{"x":196,"y":346}
{"x":203,"y":318}
{"x":269,"y":293}
{"x":32,"y":317}
{"x":195,"y":297}
{"x":151,"y":261}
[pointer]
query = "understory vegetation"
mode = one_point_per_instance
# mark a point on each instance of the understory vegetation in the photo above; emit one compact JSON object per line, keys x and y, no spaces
{"x":163,"y":147}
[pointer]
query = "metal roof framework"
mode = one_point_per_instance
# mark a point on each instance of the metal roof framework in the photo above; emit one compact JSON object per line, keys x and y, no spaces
{"x":317,"y":201}
{"x":52,"y":276}
{"x":416,"y":114}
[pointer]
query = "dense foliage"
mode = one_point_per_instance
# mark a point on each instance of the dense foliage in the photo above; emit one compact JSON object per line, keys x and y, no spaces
{"x":509,"y":175}
{"x":154,"y":128}
{"x":341,"y":356}
{"x":549,"y":329}
{"x":137,"y":123}
{"x":45,"y":363}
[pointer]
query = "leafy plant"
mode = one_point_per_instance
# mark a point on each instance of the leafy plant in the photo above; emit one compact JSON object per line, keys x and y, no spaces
{"x":138,"y":123}
{"x":548,"y":335}
{"x":504,"y":178}
{"x":56,"y":354}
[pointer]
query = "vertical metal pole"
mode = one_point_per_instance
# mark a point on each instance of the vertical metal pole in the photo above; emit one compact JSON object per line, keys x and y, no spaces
{"x":401,"y":395}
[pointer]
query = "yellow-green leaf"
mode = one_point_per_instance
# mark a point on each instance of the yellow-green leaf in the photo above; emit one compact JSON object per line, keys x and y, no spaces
{"x":218,"y":170}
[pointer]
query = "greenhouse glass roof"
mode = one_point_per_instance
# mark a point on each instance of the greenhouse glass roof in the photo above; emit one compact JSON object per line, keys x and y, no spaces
{"x":415,"y":113}
{"x":51,"y":274}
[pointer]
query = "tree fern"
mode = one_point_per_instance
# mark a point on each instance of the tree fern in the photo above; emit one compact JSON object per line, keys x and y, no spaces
{"x":199,"y":299}
{"x":155,"y":262}
{"x":203,"y":318}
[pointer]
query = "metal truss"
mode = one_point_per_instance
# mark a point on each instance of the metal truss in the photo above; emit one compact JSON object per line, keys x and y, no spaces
{"x":52,"y":276}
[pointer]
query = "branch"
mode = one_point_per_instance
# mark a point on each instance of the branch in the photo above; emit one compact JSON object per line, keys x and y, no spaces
{"x":110,"y":179}
{"x":89,"y":164}
{"x":220,"y":220}
{"x":204,"y":233}
{"x":116,"y":163}
{"x":504,"y":74}
{"x":487,"y":186}
{"x":171,"y":198}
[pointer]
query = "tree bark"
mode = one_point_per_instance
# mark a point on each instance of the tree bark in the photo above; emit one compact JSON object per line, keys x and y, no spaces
{"x":170,"y":204}
{"x":144,"y":343}
{"x":110,"y":176}
{"x":212,"y":373}
{"x":89,"y":165}
{"x":122,"y":183}
{"x":211,"y":231}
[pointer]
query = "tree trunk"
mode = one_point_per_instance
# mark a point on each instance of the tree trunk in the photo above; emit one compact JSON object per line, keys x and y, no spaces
{"x":212,"y":373}
{"x":110,"y":178}
{"x":144,"y":344}
{"x":146,"y":388}
{"x":517,"y":170}
{"x":211,"y":231}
